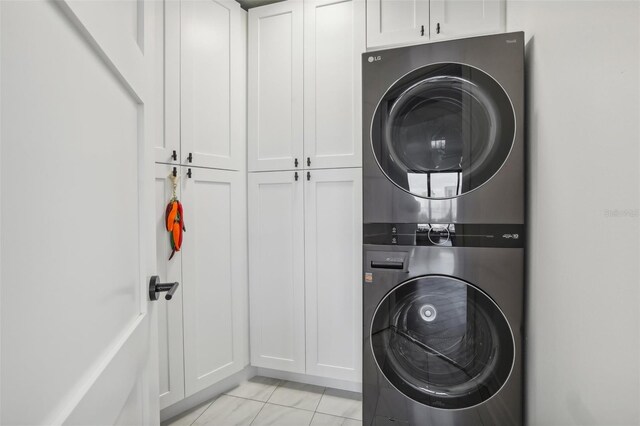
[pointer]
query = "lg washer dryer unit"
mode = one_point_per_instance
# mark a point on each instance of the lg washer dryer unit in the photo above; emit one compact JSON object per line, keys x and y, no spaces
{"x":442,"y":324}
{"x":442,"y":132}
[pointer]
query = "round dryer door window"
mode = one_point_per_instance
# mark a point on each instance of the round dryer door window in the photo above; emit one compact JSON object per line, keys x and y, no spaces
{"x":442,"y":342}
{"x":443,"y":130}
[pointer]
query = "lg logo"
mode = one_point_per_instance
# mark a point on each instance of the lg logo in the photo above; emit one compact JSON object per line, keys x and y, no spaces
{"x":375,"y":58}
{"x":514,"y":236}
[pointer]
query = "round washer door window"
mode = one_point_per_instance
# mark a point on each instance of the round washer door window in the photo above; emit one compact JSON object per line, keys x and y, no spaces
{"x":443,"y":130}
{"x":442,"y":342}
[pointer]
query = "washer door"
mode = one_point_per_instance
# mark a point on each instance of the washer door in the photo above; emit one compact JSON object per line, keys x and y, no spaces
{"x":442,"y":342}
{"x":443,"y":130}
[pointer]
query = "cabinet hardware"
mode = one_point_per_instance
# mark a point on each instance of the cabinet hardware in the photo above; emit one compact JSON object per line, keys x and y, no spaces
{"x":190,"y":158}
{"x":308,"y":161}
{"x":156,"y":287}
{"x":189,"y":172}
{"x":438,"y":28}
{"x":295,"y":176}
{"x":175,"y":172}
{"x":174,"y":156}
{"x":295,"y":162}
{"x":422,"y":30}
{"x":308,"y":175}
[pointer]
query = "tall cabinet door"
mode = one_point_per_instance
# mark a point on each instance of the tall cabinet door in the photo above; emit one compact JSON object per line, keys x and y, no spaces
{"x":169,"y":312}
{"x":214,"y":276}
{"x":212,"y":87}
{"x":333,"y":43}
{"x":276,"y":272}
{"x":333,"y":253}
{"x":275,"y":86}
{"x":397,"y":22}
{"x":456,"y":18}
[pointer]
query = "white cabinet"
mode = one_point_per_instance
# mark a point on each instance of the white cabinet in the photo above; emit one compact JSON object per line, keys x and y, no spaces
{"x":203,"y":330}
{"x":459,"y":18}
{"x":334,"y":39}
{"x":397,"y":22}
{"x":305,"y":89}
{"x":169,"y":311}
{"x":276,"y":270}
{"x":214,"y":277}
{"x":304,"y":271}
{"x":275,"y":86}
{"x":404,"y":22}
{"x":205,"y":90}
{"x":333,"y":279}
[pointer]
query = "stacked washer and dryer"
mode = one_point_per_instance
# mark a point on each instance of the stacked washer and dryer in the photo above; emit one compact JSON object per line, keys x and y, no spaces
{"x":444,"y":210}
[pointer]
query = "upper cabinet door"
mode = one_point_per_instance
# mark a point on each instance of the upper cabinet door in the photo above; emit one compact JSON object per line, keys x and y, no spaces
{"x":276,"y":270}
{"x":457,"y":18}
{"x":397,"y":22}
{"x":334,"y":40}
{"x":167,"y":34}
{"x":212,"y":84}
{"x":215,"y":289}
{"x":333,"y":273}
{"x":276,"y":86}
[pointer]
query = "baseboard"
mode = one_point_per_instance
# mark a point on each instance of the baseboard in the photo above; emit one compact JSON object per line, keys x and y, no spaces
{"x":309,"y":379}
{"x":207,"y":394}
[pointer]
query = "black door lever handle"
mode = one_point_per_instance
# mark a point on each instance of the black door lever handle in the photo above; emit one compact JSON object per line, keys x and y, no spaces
{"x":156,"y":287}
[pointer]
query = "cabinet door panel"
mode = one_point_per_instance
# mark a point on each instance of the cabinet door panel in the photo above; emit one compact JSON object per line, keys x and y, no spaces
{"x":334,"y":40}
{"x":276,"y":273}
{"x":170,"y":60}
{"x":169,"y":312}
{"x":275,"y":86}
{"x":457,"y":18}
{"x":333,"y":247}
{"x":397,"y":22}
{"x":215,"y":288}
{"x":211,"y":83}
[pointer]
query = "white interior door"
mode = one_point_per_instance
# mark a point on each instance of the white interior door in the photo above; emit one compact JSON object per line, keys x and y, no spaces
{"x":212,"y":84}
{"x":456,"y":18}
{"x":275,"y":86}
{"x":397,"y":22}
{"x":276,"y":272}
{"x":170,"y":346}
{"x":79,"y":344}
{"x":333,"y":44}
{"x":214,"y":275}
{"x":333,"y":273}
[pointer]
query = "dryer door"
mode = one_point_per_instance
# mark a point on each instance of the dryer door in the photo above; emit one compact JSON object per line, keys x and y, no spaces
{"x":443,"y":130}
{"x":442,"y":342}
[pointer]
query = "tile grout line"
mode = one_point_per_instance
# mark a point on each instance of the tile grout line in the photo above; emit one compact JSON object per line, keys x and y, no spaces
{"x":208,"y":405}
{"x":264,"y":404}
{"x":320,"y":400}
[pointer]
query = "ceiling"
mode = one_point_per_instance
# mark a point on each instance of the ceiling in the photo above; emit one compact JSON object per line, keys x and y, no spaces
{"x":248,"y":4}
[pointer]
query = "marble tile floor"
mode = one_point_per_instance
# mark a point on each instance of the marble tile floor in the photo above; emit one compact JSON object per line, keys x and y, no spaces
{"x":263,"y":401}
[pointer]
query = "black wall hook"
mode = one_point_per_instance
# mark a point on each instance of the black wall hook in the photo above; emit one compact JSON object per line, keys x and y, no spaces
{"x":175,"y":172}
{"x":189,"y":173}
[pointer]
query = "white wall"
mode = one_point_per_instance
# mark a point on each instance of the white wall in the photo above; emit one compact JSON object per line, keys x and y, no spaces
{"x":583,"y":64}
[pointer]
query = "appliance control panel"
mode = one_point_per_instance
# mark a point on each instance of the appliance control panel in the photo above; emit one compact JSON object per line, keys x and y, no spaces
{"x":445,"y":234}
